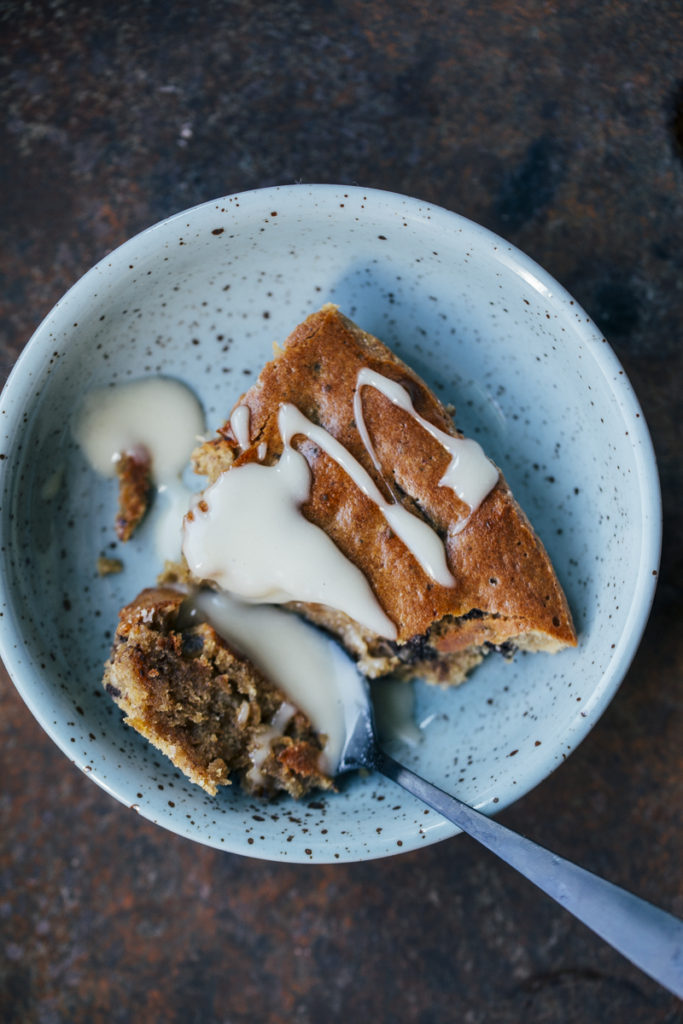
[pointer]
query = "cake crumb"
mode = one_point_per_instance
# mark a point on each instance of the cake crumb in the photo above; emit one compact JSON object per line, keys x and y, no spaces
{"x":108,"y":566}
{"x":134,"y":472}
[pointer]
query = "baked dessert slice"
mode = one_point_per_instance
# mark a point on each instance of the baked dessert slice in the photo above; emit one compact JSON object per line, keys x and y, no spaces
{"x":339,"y":469}
{"x":206,"y":706}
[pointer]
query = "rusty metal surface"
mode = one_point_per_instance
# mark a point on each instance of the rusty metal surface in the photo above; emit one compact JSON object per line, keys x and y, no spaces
{"x":559,"y":126}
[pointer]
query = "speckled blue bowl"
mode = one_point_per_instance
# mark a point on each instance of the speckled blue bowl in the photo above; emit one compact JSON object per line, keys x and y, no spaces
{"x":202,"y":296}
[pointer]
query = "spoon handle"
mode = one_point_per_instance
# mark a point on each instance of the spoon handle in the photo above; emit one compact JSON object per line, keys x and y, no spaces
{"x":647,"y":936}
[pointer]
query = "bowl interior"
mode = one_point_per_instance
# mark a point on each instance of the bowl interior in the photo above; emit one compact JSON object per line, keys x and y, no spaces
{"x":202,"y":297}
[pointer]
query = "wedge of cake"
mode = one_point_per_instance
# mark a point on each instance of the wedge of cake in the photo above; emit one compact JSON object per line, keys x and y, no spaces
{"x":340,"y":486}
{"x":205,"y":705}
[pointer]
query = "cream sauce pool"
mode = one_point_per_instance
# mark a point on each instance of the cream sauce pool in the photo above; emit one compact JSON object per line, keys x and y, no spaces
{"x":158,"y":415}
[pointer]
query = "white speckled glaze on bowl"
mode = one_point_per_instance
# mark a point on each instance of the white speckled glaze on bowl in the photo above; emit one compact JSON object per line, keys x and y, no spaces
{"x":201,"y":297}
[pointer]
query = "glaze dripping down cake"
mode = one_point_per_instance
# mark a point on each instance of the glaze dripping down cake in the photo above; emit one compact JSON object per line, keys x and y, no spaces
{"x":337,"y":397}
{"x":340,"y":489}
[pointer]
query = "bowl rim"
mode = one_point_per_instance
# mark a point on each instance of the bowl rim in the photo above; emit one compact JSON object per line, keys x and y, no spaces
{"x":13,"y":403}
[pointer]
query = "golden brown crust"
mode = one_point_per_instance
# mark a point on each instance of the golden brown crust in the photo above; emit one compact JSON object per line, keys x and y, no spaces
{"x":203,"y":705}
{"x":500,"y":566}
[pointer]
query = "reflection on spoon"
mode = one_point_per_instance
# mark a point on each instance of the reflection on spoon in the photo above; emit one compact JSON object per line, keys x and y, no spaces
{"x":394,"y":703}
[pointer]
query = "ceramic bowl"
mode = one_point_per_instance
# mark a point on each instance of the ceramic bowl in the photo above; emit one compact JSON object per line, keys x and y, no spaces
{"x":201,"y":297}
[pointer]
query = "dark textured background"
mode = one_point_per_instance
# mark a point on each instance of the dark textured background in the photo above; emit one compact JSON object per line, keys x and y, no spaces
{"x":559,"y":125}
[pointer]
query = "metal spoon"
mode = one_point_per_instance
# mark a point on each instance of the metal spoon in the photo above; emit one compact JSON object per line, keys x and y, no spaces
{"x":647,"y":936}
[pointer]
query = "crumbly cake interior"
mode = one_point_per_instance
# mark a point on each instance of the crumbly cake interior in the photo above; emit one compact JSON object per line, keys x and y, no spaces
{"x":205,"y":707}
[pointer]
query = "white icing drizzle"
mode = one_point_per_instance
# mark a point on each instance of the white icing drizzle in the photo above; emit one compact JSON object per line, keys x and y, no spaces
{"x":261,"y":451}
{"x":470,"y":474}
{"x":247,"y":534}
{"x":307,"y":665}
{"x":239,"y":424}
{"x":174,"y":500}
{"x":417,"y":535}
{"x":159,"y":416}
